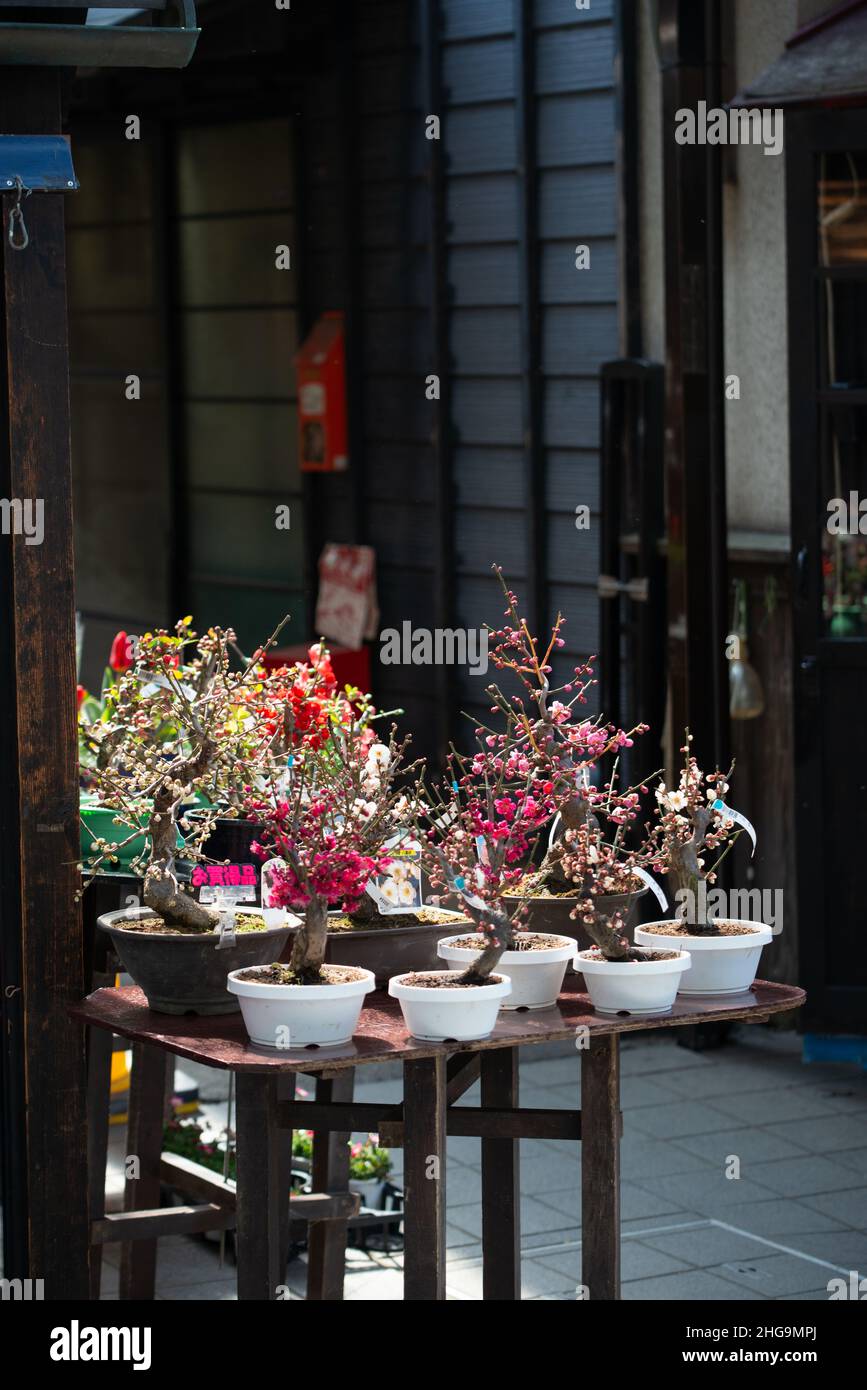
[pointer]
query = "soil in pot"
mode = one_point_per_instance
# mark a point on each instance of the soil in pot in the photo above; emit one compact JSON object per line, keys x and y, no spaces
{"x":519,"y":942}
{"x":388,"y":921}
{"x":278,"y":974}
{"x":686,"y":929}
{"x":447,"y":979}
{"x":157,"y":926}
{"x":534,"y":962}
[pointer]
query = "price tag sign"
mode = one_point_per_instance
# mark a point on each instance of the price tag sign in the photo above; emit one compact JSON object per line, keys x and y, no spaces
{"x":230,"y":883}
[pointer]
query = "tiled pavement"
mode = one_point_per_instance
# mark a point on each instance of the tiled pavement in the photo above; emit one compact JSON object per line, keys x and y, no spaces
{"x":795,"y":1217}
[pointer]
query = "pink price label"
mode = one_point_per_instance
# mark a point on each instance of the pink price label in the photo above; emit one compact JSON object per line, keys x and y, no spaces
{"x":225,"y":876}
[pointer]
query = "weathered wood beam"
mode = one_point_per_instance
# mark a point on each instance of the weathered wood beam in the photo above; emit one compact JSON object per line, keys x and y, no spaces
{"x":41,"y":961}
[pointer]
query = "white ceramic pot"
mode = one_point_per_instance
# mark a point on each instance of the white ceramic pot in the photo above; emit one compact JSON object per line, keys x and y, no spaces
{"x":718,"y":964}
{"x":537,"y":976}
{"x":463,"y":1015}
{"x":629,"y":986}
{"x":293,"y":1016}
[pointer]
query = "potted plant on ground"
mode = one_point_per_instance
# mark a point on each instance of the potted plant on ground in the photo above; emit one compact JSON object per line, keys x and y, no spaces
{"x":326,"y":825}
{"x":694,"y":823}
{"x":178,"y":949}
{"x":564,"y":745}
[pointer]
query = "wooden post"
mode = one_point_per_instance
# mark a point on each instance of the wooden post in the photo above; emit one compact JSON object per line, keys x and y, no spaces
{"x":144,"y":1142}
{"x":501,"y":1191}
{"x":41,"y":958}
{"x":326,"y":1243}
{"x":424,"y":1180}
{"x":600,"y":1168}
{"x":262,"y":1193}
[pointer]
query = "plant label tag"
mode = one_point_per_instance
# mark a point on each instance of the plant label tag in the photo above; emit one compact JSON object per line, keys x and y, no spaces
{"x":652,"y":885}
{"x":236,"y":883}
{"x":738,"y":819}
{"x":400,"y":889}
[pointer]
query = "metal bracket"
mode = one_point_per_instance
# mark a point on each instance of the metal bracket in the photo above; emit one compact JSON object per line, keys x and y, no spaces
{"x":636,"y":589}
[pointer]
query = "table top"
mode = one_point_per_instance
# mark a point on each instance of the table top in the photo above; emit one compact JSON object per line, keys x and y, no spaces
{"x":381,"y":1035}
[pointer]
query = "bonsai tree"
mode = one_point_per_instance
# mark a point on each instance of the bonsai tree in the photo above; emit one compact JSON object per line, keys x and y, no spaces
{"x":691,"y":824}
{"x":329,"y":821}
{"x":477,"y":831}
{"x":548,"y":726}
{"x":176,"y":728}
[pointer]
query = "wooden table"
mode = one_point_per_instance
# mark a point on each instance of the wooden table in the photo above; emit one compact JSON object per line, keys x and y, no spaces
{"x":435,"y":1076}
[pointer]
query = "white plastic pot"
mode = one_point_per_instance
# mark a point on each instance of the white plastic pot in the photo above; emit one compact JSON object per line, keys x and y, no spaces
{"x":290,"y":1016}
{"x":537,"y":976}
{"x":630,"y":986}
{"x":718,"y":964}
{"x":461,"y":1015}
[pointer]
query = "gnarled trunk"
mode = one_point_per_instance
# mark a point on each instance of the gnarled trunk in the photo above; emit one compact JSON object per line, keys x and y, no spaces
{"x":686,"y":874}
{"x":162,"y":891}
{"x":311,"y":939}
{"x":480,"y":970}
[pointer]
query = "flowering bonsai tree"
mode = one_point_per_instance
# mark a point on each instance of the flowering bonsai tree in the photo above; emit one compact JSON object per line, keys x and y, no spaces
{"x":692,"y":821}
{"x":178,"y":727}
{"x":329,"y":822}
{"x":476,"y":833}
{"x":547,"y":727}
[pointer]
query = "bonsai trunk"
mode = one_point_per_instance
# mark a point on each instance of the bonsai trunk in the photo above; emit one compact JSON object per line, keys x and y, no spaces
{"x":162,"y":892}
{"x":686,"y":875}
{"x":479,"y":972}
{"x":308,"y":950}
{"x":573,"y":814}
{"x":607,"y":933}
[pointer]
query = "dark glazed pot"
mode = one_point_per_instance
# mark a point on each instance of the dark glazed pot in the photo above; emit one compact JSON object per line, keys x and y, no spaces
{"x":553,"y":914}
{"x":390,"y":950}
{"x":183,"y":974}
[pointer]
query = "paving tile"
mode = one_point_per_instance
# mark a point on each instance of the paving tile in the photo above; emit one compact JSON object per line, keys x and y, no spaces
{"x":181,"y":1259}
{"x":559,"y":1071}
{"x":544,"y":1170}
{"x":707,"y":1245}
{"x":644,"y":1157}
{"x":537,"y":1279}
{"x":658,"y":1056}
{"x":692,"y":1286}
{"x":677,"y":1119}
{"x":751,"y":1145}
{"x":802,"y":1177}
{"x":536,"y":1216}
{"x":855,"y":1159}
{"x":709,"y":1192}
{"x":774,"y":1276}
{"x":637,"y":1261}
{"x":848,"y":1249}
{"x":463,"y":1185}
{"x":637,"y":1092}
{"x":830,"y":1134}
{"x":386,"y":1284}
{"x":769,"y":1107}
{"x":462,"y":1242}
{"x":779,"y":1218}
{"x":850,"y":1208}
{"x":207,"y":1292}
{"x":725,"y":1078}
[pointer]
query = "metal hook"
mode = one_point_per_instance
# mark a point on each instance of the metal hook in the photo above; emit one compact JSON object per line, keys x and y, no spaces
{"x":19,"y":237}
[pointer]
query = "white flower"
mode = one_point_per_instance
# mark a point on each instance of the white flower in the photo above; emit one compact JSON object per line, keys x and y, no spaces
{"x":390,"y":891}
{"x":378,"y":756}
{"x":676,"y":801}
{"x":660,"y":792}
{"x":399,"y":873}
{"x":406,"y":893}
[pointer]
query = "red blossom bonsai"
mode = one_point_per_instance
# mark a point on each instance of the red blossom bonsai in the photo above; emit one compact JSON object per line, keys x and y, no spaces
{"x":329,"y":820}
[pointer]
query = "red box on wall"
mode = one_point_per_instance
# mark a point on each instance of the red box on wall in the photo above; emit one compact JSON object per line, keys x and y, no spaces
{"x":321,"y":364}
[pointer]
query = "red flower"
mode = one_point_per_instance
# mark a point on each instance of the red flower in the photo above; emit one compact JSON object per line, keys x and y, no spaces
{"x":81,"y":695}
{"x":120,"y":660}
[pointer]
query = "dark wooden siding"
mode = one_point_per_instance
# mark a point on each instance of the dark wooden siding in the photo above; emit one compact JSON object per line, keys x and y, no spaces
{"x":571,"y":56}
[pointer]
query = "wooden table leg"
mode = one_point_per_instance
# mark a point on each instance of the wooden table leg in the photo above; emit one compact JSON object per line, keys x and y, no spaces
{"x":147,"y":1091}
{"x":262,"y":1194}
{"x":600,"y":1168}
{"x":99,"y":1054}
{"x":424,"y":1179}
{"x":326,"y":1243}
{"x":501,"y":1192}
